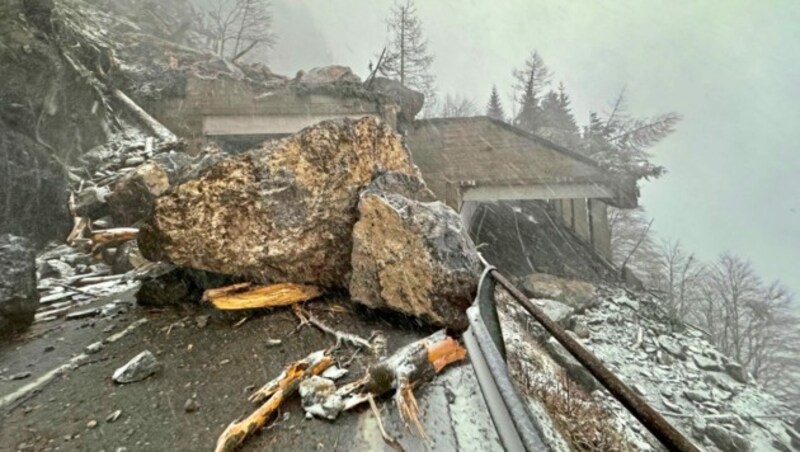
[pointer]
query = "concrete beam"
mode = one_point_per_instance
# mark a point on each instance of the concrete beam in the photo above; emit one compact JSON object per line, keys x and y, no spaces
{"x":542,"y":191}
{"x":265,"y":125}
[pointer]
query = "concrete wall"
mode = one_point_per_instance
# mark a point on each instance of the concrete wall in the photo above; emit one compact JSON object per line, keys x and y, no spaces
{"x":580,"y":220}
{"x":601,"y":232}
{"x":231,"y":107}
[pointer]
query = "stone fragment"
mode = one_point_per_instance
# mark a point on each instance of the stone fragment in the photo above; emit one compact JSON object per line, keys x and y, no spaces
{"x":83,"y":313}
{"x":319,"y":398}
{"x":329,"y":74}
{"x":409,"y":101}
{"x":736,"y":371}
{"x":113,"y":416}
{"x":91,"y":202}
{"x":127,"y":258}
{"x":168,"y":285}
{"x":94,"y":347}
{"x":201,"y":321}
{"x":19,"y":298}
{"x":283,"y":212}
{"x":557,"y":311}
{"x":412,"y":257}
{"x":579,"y":295}
{"x":672,"y":346}
{"x":191,"y":405}
{"x":727,"y":440}
{"x":696,"y":396}
{"x":705,"y":363}
{"x":56,"y":268}
{"x":140,"y":367}
{"x":20,"y":376}
{"x":91,"y":424}
{"x":334,"y":373}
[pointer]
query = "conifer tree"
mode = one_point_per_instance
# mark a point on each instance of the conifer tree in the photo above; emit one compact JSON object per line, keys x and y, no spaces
{"x":407,"y":59}
{"x":531,"y":80}
{"x":494,"y":109}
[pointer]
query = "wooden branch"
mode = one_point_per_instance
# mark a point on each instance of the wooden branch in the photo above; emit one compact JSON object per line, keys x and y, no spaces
{"x":317,"y":361}
{"x":104,"y":236}
{"x":248,"y":296}
{"x":341,"y":336}
{"x":279,"y":390}
{"x":392,"y":442}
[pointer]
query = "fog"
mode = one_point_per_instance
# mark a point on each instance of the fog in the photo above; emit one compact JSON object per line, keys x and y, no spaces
{"x":730,"y":68}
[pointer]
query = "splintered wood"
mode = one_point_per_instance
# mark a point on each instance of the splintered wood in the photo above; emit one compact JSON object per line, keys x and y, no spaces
{"x":249,"y":296}
{"x":275,"y":393}
{"x":409,"y":366}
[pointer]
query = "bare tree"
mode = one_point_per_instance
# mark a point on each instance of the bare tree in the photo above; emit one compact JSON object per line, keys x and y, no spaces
{"x":680,"y":280}
{"x":457,"y":106}
{"x":237,"y":27}
{"x":632,"y":243}
{"x":407,"y":59}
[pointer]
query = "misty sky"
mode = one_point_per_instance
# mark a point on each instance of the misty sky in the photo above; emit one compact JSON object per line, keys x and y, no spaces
{"x":731,"y":68}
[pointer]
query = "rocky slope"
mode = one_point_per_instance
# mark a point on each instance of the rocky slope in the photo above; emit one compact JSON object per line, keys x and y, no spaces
{"x":673,"y":366}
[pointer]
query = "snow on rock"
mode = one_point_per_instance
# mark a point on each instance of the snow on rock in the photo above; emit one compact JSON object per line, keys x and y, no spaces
{"x":140,"y":367}
{"x":676,"y":369}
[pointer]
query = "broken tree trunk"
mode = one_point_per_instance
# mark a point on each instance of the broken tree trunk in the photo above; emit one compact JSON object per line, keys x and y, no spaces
{"x":414,"y":363}
{"x":163,"y":133}
{"x":248,"y":296}
{"x":277,"y":390}
{"x":105,"y":236}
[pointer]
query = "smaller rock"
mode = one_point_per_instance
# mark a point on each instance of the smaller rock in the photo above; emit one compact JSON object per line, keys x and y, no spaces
{"x":672,"y":346}
{"x":705,"y":363}
{"x":664,"y":359}
{"x":191,"y":405}
{"x":94,"y":347}
{"x":319,"y":398}
{"x":736,"y":371}
{"x":581,"y":329}
{"x":83,"y":313}
{"x":577,"y":294}
{"x":727,"y":440}
{"x":20,"y":376}
{"x":91,"y":424}
{"x":91,"y":202}
{"x":201,"y":321}
{"x":696,"y":396}
{"x":273,"y":342}
{"x":334,"y":373}
{"x":49,"y":348}
{"x":113,"y":416}
{"x":55,"y":268}
{"x":140,"y":367}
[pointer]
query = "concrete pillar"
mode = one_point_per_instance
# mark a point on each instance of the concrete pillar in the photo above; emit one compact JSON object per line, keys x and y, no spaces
{"x":556,"y":203}
{"x":566,"y":212}
{"x":581,"y":219}
{"x":601,"y":233}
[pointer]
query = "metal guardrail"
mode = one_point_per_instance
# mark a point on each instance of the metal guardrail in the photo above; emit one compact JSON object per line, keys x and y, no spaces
{"x":515,"y":425}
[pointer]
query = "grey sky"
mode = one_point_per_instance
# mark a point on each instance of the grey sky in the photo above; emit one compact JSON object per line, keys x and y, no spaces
{"x":731,"y":68}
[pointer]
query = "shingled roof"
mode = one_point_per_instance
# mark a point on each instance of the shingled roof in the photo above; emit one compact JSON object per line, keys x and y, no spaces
{"x":457,"y":155}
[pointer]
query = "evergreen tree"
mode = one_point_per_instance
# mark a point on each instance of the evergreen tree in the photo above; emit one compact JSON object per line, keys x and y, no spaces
{"x":407,"y":59}
{"x":494,"y":109}
{"x":531,"y":80}
{"x":558,"y":124}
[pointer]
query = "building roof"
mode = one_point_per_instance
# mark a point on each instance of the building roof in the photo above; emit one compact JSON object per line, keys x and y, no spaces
{"x":480,"y":151}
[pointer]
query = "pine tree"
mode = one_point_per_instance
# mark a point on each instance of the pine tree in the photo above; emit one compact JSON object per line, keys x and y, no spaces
{"x":494,"y":109}
{"x":558,"y":124}
{"x":407,"y":59}
{"x":531,"y":80}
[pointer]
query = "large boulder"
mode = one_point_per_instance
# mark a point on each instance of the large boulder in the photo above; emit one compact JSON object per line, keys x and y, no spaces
{"x":413,"y":257}
{"x":33,"y":187}
{"x":579,"y":295}
{"x":281,"y":212}
{"x":410,"y":101}
{"x":133,"y":196}
{"x":18,"y":295}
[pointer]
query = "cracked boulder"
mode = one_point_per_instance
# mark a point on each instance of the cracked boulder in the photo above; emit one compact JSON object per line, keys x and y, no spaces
{"x":579,"y":295}
{"x":280,"y":212}
{"x":413,"y":257}
{"x":18,"y":296}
